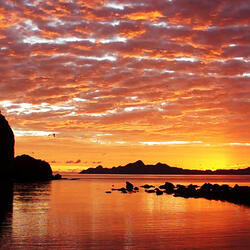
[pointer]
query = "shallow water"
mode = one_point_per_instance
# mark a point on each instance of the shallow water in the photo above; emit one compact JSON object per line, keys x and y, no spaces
{"x":78,"y":214}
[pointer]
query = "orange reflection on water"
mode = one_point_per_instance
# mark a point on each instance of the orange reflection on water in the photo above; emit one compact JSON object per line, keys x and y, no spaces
{"x":79,"y":214}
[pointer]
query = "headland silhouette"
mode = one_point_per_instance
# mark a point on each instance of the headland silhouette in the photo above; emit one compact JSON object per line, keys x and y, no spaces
{"x":19,"y":168}
{"x":139,"y":167}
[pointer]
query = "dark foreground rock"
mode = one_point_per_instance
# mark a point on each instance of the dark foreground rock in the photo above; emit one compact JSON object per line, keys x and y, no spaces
{"x":7,"y":142}
{"x":21,"y":168}
{"x":59,"y":177}
{"x":147,"y":186}
{"x":169,"y":187}
{"x":129,"y":186}
{"x":237,"y":194}
{"x":27,"y":168}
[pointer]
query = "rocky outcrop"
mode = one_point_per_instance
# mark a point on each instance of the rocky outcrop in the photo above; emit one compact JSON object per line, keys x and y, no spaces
{"x":7,"y":142}
{"x":21,"y":168}
{"x":27,"y":168}
{"x":237,"y":194}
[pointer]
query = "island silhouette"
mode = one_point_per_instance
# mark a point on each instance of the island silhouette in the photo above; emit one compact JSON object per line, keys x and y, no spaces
{"x":23,"y":167}
{"x":139,"y":167}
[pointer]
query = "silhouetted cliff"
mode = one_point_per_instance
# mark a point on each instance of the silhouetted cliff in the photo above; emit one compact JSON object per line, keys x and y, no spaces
{"x":139,"y":167}
{"x":27,"y":168}
{"x":7,"y":142}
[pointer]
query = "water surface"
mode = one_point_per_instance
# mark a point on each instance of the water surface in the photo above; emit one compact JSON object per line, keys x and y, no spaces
{"x":78,"y":214}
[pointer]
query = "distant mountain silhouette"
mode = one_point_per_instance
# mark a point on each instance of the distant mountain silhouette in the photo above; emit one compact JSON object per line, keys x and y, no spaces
{"x":7,"y":142}
{"x":139,"y":167}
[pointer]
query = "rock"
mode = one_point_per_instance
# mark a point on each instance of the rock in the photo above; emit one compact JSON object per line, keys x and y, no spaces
{"x":168,"y":186}
{"x":150,"y":190}
{"x":7,"y":142}
{"x":108,"y":192}
{"x":59,"y":177}
{"x":27,"y":168}
{"x":129,"y":186}
{"x":123,"y":190}
{"x":136,"y":188}
{"x":147,"y":186}
{"x":158,"y":191}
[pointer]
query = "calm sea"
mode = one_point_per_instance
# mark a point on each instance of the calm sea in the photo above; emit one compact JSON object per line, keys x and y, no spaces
{"x":78,"y":214}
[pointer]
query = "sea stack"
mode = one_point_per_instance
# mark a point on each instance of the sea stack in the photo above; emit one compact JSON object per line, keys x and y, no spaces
{"x":7,"y":142}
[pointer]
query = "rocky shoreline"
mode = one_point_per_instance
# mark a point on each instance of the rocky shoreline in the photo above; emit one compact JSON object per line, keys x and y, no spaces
{"x":237,"y":194}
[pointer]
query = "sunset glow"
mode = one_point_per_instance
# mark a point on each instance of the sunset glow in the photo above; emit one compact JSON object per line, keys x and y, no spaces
{"x":87,"y":83}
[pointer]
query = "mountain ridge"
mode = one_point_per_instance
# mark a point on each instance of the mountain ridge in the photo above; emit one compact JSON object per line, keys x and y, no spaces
{"x":139,"y":167}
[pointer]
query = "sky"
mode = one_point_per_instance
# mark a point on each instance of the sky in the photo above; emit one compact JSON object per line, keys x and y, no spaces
{"x":109,"y":82}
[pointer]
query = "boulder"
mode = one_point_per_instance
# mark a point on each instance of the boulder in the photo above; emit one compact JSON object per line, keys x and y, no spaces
{"x":27,"y":168}
{"x":59,"y":177}
{"x":169,"y":187}
{"x":150,"y":190}
{"x":147,"y":186}
{"x":129,"y":186}
{"x":158,"y":191}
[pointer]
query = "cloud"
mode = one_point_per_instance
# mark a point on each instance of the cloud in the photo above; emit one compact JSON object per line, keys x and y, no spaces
{"x":73,"y":162}
{"x":171,"y":143}
{"x":96,"y":162}
{"x":247,"y":144}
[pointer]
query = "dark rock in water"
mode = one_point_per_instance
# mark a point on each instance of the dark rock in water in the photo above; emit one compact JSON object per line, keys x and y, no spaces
{"x":27,"y":168}
{"x":168,"y":186}
{"x":7,"y":142}
{"x":59,"y":177}
{"x":136,"y":188}
{"x":158,"y":191}
{"x":182,"y":191}
{"x":147,"y":186}
{"x":150,"y":190}
{"x":123,"y":190}
{"x":129,"y":186}
{"x":237,"y":194}
{"x":108,"y":192}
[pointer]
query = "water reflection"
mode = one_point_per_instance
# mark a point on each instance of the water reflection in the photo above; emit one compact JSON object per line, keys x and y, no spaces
{"x":31,"y":192}
{"x":23,"y":218}
{"x":79,"y":214}
{"x":31,"y":205}
{"x":6,"y":210}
